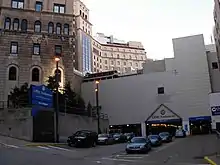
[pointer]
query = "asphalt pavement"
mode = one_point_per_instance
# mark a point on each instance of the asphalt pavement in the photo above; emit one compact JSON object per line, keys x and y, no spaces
{"x":187,"y":151}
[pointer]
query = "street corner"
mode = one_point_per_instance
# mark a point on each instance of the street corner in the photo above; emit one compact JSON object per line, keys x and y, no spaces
{"x":45,"y":144}
{"x":210,"y":160}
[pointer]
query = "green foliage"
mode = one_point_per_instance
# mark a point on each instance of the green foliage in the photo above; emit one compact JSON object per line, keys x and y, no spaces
{"x":19,"y":97}
{"x":68,"y":96}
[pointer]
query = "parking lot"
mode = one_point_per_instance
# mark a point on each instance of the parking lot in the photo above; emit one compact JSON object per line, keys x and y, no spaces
{"x":186,"y":151}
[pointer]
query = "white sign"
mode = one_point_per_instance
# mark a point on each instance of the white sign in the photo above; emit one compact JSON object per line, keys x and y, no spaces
{"x":163,"y":113}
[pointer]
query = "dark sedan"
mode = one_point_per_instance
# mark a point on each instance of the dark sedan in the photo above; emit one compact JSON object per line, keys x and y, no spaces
{"x":138,"y":145}
{"x":165,"y":136}
{"x":155,"y":140}
{"x":129,"y":136}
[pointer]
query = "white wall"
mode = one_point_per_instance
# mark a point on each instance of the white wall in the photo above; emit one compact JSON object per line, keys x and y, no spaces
{"x":132,"y":99}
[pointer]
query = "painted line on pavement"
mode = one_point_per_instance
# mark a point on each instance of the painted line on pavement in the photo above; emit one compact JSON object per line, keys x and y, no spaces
{"x":12,"y":146}
{"x":122,"y":160}
{"x":210,"y":161}
{"x":130,"y":157}
{"x":43,"y":147}
{"x":59,"y":148}
{"x":191,"y":164}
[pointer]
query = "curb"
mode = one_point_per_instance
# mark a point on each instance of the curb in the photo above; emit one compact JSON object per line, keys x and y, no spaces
{"x":44,"y":144}
{"x":210,"y":161}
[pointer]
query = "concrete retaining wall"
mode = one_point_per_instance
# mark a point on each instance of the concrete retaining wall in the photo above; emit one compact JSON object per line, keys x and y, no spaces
{"x":18,"y":123}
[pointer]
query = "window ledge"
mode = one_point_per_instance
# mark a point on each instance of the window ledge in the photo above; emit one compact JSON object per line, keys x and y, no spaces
{"x":36,"y":57}
{"x":13,"y":55}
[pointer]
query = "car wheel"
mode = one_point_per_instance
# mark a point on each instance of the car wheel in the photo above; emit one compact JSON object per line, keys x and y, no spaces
{"x":106,"y":142}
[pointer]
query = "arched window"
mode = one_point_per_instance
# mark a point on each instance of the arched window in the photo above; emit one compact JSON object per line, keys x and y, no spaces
{"x":35,"y":74}
{"x":66,"y":29}
{"x":24,"y":25}
{"x":59,"y":74}
{"x":37,"y":26}
{"x":7,"y":23}
{"x":58,"y":28}
{"x":16,"y":24}
{"x":12,"y":74}
{"x":50,"y":27}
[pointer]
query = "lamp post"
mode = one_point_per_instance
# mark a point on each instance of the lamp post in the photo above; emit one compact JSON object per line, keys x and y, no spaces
{"x":97,"y":105}
{"x":57,"y":59}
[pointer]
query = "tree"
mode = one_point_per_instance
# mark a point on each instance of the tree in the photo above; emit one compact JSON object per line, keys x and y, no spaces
{"x":19,"y":97}
{"x":51,"y":83}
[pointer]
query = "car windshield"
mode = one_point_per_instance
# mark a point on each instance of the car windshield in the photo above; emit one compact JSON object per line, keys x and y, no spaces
{"x":164,"y":134}
{"x":138,"y":140}
{"x":103,"y":135}
{"x":81,"y":133}
{"x":153,"y":137}
{"x":116,"y":135}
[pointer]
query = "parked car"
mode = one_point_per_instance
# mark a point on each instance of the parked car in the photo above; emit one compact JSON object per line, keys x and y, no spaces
{"x":119,"y":138}
{"x":180,"y":133}
{"x":165,"y":136}
{"x":138,"y":145}
{"x":83,"y":138}
{"x":155,"y":140}
{"x":129,"y":136}
{"x":105,"y":139}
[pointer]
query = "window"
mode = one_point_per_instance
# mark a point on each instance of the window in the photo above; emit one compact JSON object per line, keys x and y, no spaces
{"x":85,"y":16}
{"x":50,"y":27}
{"x":130,"y":56}
{"x":80,"y":12}
{"x":19,"y":4}
{"x":66,"y":29}
{"x":12,"y":74}
{"x":36,"y":49}
{"x":58,"y":28}
{"x":59,"y":75}
{"x":58,"y":50}
{"x":124,"y":63}
{"x":118,"y":56}
{"x":14,"y":48}
{"x":130,"y":63}
{"x":136,"y":64}
{"x":24,"y":25}
{"x":16,"y":24}
{"x":58,"y":8}
{"x":160,"y":90}
{"x":7,"y":23}
{"x":118,"y":62}
{"x":112,"y":62}
{"x":37,"y":26}
{"x":35,"y":74}
{"x":214,"y":65}
{"x":106,"y":61}
{"x":100,"y":60}
{"x":38,"y":6}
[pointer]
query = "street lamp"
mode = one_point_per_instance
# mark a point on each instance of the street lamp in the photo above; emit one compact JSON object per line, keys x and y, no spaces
{"x":97,"y":105}
{"x":57,"y":59}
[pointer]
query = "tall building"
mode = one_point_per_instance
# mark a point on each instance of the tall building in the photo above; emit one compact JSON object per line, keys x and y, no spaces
{"x":32,"y":33}
{"x":84,"y":32}
{"x":216,"y":30}
{"x":113,"y":54}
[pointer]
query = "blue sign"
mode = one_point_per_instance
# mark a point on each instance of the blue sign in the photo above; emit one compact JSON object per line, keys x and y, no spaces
{"x":186,"y":127}
{"x":215,"y":110}
{"x":163,"y":121}
{"x":41,"y":96}
{"x":199,"y":118}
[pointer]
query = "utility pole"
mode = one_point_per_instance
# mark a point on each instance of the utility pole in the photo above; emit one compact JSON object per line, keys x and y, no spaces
{"x":97,"y":106}
{"x":57,"y":101}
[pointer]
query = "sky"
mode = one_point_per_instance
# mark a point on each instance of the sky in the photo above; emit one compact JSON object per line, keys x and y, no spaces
{"x":152,"y":22}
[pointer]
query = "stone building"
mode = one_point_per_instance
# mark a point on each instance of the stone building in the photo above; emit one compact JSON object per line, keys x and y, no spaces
{"x":32,"y":33}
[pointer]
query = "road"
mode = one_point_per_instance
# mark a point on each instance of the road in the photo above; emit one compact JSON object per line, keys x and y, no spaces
{"x":187,"y":151}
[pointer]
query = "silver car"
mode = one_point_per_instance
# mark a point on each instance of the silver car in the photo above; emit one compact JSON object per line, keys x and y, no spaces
{"x":105,"y":139}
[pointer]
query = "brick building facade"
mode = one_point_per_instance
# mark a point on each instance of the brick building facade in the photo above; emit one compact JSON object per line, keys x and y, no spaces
{"x":31,"y":34}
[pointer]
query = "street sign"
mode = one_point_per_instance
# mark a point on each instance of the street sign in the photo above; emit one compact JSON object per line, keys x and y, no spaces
{"x":41,"y":96}
{"x":215,"y":110}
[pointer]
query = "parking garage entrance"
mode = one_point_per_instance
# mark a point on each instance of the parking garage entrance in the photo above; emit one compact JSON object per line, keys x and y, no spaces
{"x":163,"y":119}
{"x":200,"y":125}
{"x":126,"y":128}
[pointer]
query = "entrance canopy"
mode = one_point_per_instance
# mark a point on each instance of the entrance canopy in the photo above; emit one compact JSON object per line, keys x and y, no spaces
{"x":162,"y":115}
{"x":200,"y":118}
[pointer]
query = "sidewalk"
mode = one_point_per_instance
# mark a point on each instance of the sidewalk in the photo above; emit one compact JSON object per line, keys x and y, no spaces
{"x":13,"y":141}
